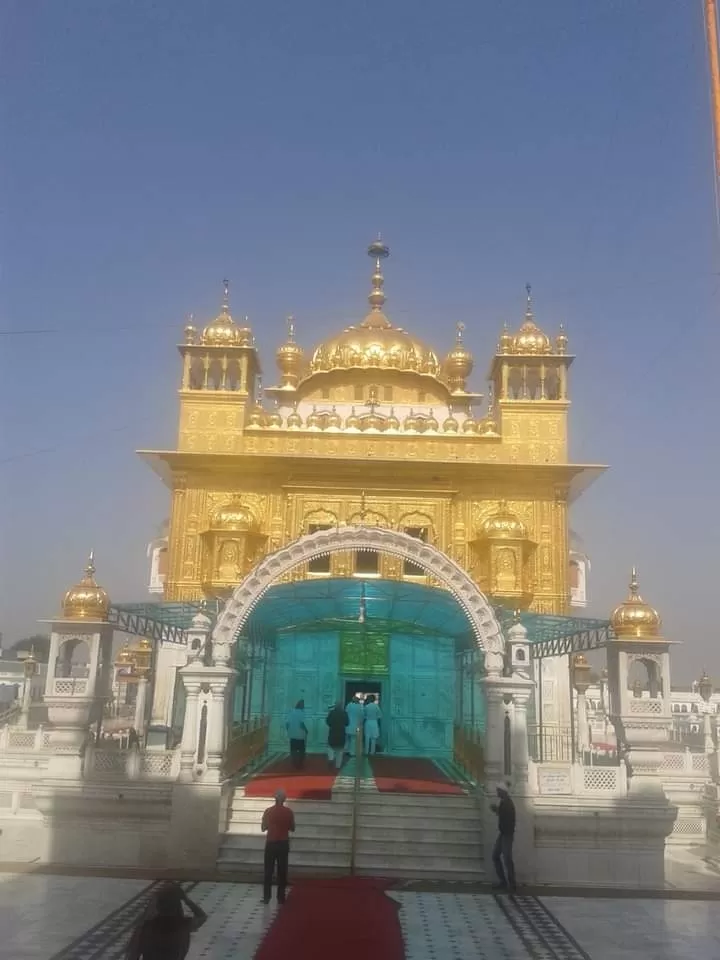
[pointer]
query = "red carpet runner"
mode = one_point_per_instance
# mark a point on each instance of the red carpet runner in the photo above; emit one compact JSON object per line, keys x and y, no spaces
{"x":314,"y":782}
{"x":345,"y":919}
{"x":412,"y":775}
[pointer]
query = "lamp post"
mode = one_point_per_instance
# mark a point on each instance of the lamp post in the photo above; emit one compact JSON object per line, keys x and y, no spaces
{"x":142,"y":655}
{"x":581,"y":682}
{"x":705,"y":689}
{"x":30,"y":669}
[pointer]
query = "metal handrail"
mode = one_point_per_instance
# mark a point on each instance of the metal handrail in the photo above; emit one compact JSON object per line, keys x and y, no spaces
{"x":356,"y":797}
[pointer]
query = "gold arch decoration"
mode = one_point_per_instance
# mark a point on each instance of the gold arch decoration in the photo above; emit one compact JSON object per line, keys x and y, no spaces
{"x":481,"y":617}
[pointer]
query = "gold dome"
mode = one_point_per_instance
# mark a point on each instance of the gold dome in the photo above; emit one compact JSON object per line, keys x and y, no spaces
{"x":450,"y":424}
{"x":258,"y":417}
{"x":124,"y":657}
{"x":431,"y":423}
{"x":488,"y":426}
{"x":190,"y":331}
{"x":290,"y":357}
{"x":275,"y":418}
{"x":334,"y":420}
{"x":294,"y":420}
{"x":86,"y":600}
{"x":469,"y":424}
{"x":503,"y":525}
{"x":392,"y":421}
{"x":234,"y":515}
{"x":633,"y":617}
{"x":375,"y":342}
{"x":222,"y":332}
{"x":313,"y":420}
{"x":530,"y":340}
{"x":505,"y":344}
{"x":561,"y":342}
{"x":353,"y":421}
{"x":459,"y":362}
{"x":411,"y":422}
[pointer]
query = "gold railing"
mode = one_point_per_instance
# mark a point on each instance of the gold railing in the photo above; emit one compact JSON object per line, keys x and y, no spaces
{"x":359,"y":761}
{"x":469,"y":753}
{"x":248,"y":742}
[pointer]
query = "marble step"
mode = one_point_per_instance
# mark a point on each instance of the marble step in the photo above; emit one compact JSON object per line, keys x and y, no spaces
{"x":298,"y":845}
{"x":259,"y":804}
{"x":419,"y":832}
{"x":334,"y":828}
{"x":435,"y":867}
{"x":454,"y":873}
{"x":241,"y":858}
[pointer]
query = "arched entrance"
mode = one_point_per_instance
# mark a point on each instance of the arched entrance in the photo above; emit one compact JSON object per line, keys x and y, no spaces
{"x":321,"y":639}
{"x":246,"y":595}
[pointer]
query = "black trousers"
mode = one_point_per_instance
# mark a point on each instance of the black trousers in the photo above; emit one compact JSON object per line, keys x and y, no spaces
{"x":502,"y":854}
{"x":276,"y":853}
{"x":297,"y":753}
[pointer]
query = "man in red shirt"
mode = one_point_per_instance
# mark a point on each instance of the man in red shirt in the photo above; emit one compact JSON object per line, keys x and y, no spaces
{"x":278,"y":823}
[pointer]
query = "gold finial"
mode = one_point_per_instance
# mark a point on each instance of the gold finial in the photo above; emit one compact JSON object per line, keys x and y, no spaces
{"x":528,"y":309}
{"x":90,"y":568}
{"x":291,"y":329}
{"x":378,"y":251}
{"x":225,"y":309}
{"x":634,"y":584}
{"x":459,"y":331}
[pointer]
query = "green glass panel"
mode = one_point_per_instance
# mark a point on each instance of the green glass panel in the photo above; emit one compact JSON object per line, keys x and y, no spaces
{"x":364,"y":653}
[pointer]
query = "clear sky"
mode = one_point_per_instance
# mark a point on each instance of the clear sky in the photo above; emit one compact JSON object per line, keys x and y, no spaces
{"x":151,"y":148}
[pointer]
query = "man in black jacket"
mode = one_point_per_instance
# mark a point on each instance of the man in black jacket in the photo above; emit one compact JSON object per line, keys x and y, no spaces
{"x":502,"y":851}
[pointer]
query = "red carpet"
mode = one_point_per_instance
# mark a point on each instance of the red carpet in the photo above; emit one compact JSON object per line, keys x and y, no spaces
{"x":412,"y":775}
{"x":345,"y":919}
{"x":314,"y":782}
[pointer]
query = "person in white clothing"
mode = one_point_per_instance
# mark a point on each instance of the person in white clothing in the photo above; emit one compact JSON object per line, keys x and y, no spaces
{"x":355,"y":712}
{"x":373,"y":716}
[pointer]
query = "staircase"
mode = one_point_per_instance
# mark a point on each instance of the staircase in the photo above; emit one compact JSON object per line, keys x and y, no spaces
{"x":408,"y":836}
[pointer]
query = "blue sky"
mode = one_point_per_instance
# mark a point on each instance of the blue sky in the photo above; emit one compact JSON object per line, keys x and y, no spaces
{"x":150,"y":149}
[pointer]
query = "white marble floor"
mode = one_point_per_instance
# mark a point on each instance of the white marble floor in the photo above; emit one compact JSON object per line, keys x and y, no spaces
{"x":73,"y":918}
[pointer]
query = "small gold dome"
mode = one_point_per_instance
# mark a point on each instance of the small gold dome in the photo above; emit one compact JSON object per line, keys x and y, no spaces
{"x":450,"y":424}
{"x":503,"y":525}
{"x":245,"y":336}
{"x":431,"y":424}
{"x":530,"y":340}
{"x":313,"y":420}
{"x":392,"y":421}
{"x":234,"y":515}
{"x":459,"y":362}
{"x":505,"y":344}
{"x":124,"y":657}
{"x":274,"y":419}
{"x":221,"y":332}
{"x":353,"y":421}
{"x":469,"y":424}
{"x":190,"y":331}
{"x":290,"y":357}
{"x":561,"y":342}
{"x":488,"y":426}
{"x":411,"y":422}
{"x":258,"y":417}
{"x":334,"y":420}
{"x":86,"y":600}
{"x":294,"y":420}
{"x":372,"y":421}
{"x":633,"y":617}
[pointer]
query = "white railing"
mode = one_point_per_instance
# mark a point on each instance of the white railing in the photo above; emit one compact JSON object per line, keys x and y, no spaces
{"x":685,"y":763}
{"x":69,"y":686}
{"x":20,"y":740}
{"x":640,"y":705}
{"x":132,"y":764}
{"x":576,"y":780}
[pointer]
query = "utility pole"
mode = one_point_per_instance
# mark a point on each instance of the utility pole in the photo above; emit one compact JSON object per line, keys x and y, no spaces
{"x":711,"y":33}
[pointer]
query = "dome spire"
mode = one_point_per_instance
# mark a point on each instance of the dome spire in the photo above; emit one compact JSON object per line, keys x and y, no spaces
{"x":225,"y":309}
{"x":634,"y":618}
{"x":378,"y":251}
{"x":529,"y":309}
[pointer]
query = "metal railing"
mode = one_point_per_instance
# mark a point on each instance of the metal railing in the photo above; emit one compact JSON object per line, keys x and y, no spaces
{"x":469,"y":751}
{"x":547,"y":743}
{"x":248,"y":742}
{"x":359,"y":760}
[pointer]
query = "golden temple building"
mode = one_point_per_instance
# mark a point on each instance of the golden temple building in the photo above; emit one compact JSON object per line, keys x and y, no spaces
{"x":373,"y":426}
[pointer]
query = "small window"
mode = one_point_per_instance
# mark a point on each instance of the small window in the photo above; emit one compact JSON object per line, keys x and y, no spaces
{"x":367,"y":562}
{"x":387,"y":394}
{"x":411,"y":569}
{"x":359,"y":394}
{"x":319,"y":564}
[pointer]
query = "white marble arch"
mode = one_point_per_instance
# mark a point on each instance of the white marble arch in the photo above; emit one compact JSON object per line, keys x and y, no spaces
{"x":485,"y":627}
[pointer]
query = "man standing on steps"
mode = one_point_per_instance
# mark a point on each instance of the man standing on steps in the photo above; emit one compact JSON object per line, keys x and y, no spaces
{"x":278,"y":823}
{"x":503,"y":849}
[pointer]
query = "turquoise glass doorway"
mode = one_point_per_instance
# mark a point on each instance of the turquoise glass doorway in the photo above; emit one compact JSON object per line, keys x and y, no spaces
{"x":329,"y":638}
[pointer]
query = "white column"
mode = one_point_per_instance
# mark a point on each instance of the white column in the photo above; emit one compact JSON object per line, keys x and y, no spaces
{"x":189,"y":743}
{"x":494,"y":730}
{"x":583,"y":741}
{"x":217,"y":721}
{"x":141,"y":706}
{"x":707,"y":732}
{"x":520,"y":754}
{"x":24,"y":719}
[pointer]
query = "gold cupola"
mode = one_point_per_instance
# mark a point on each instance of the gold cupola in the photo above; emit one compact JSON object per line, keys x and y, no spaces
{"x":561,"y":342}
{"x":375,"y":342}
{"x":530,"y":340}
{"x":86,"y":600}
{"x":634,"y":618}
{"x":505,"y":343}
{"x":232,"y":545}
{"x":290,"y":359}
{"x":502,"y":552}
{"x":458,"y":363}
{"x":190,"y":331}
{"x":222,"y":331}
